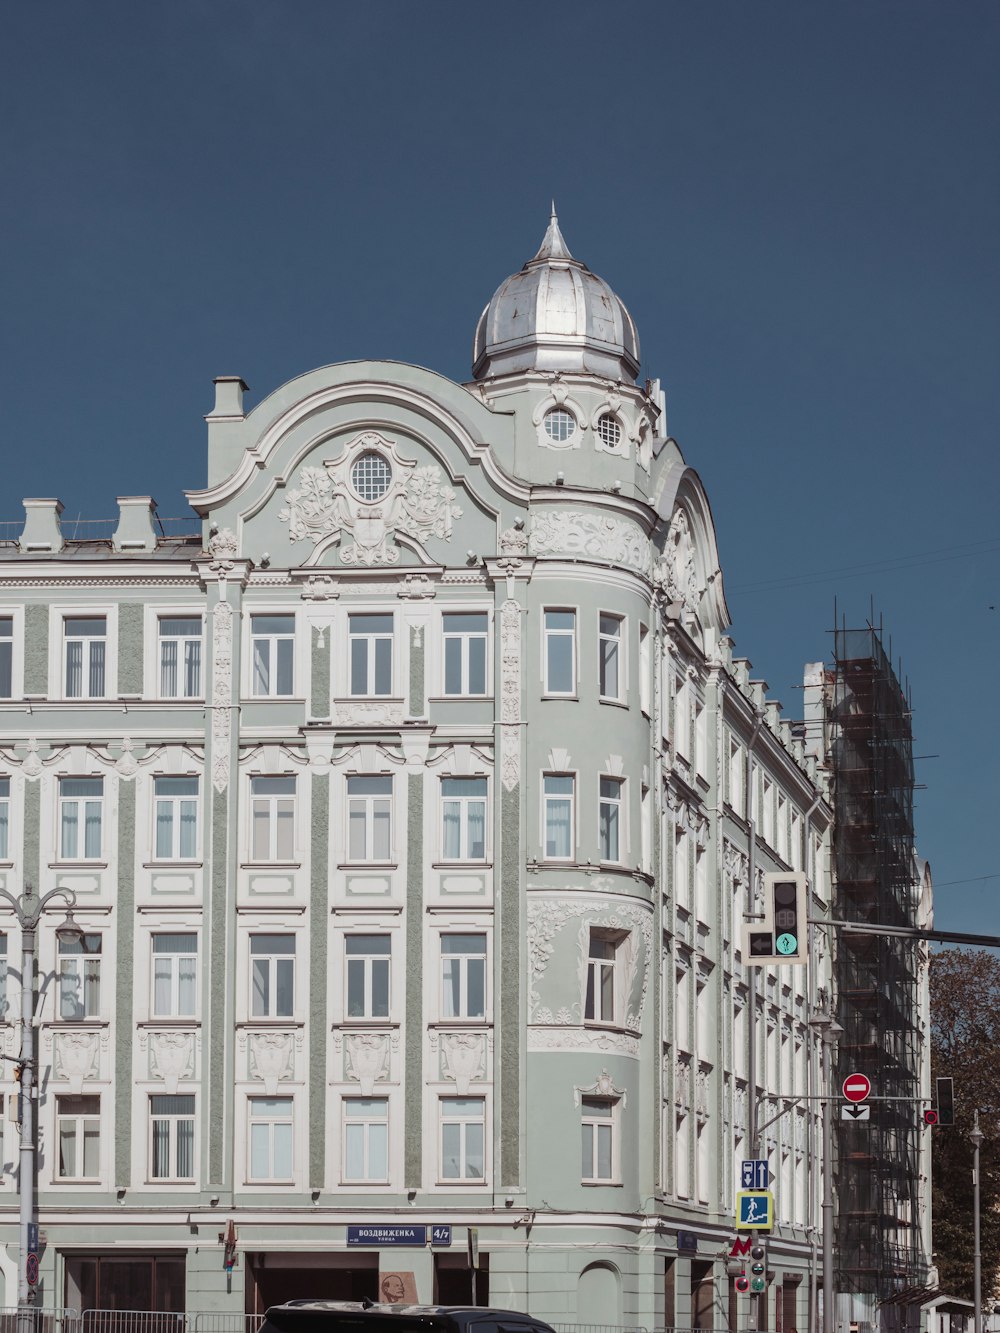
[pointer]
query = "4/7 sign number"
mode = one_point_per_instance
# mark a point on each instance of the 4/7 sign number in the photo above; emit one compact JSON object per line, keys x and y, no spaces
{"x":441,"y":1235}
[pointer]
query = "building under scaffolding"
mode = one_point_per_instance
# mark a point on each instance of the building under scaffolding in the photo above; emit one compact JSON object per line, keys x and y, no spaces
{"x":880,"y":1247}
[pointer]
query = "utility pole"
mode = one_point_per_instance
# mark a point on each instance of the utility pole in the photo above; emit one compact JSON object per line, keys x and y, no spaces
{"x":976,"y":1135}
{"x":830,"y":1033}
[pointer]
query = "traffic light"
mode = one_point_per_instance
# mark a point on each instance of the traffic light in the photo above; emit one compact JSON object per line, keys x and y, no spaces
{"x":742,"y":1283}
{"x":780,"y":936}
{"x":945,"y":1100}
{"x":758,"y":1267}
{"x":931,"y":1116}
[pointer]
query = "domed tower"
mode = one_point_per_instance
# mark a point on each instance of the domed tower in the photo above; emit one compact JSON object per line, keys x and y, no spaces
{"x":558,"y":348}
{"x":556,"y":315}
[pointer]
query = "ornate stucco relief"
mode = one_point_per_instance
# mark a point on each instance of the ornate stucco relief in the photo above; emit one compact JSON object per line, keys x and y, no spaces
{"x":463,"y":1058}
{"x":359,"y":713}
{"x":603,"y":1086}
{"x":222,"y":692}
{"x":271,"y":1058}
{"x":325,"y":503}
{"x":575,"y":1039}
{"x":612,"y":541}
{"x":510,"y":694}
{"x":548,"y":916}
{"x":366,"y":1058}
{"x":676,"y":571}
{"x":171,"y":1057}
{"x":76,"y":1056}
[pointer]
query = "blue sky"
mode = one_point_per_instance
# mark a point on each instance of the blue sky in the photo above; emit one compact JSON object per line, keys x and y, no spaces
{"x":799,"y":202}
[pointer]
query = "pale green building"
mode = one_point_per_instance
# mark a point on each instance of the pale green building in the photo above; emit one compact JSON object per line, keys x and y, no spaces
{"x":404,"y":799}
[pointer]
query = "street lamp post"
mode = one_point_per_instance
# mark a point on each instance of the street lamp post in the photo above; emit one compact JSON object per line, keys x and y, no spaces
{"x":830,"y":1032}
{"x":976,"y":1135}
{"x":28,"y":909}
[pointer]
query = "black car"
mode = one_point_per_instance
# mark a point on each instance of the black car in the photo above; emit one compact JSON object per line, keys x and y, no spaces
{"x":367,"y":1317}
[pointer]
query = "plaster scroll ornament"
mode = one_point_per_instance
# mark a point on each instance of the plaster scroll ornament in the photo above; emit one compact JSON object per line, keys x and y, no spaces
{"x":271,"y":1058}
{"x":222,"y":692}
{"x":514,"y":542}
{"x":611,"y":541}
{"x":127,"y":766}
{"x":464,"y":1058}
{"x":32,"y":765}
{"x":366,"y":1058}
{"x":171,"y":1057}
{"x":372,"y":493}
{"x":676,"y":570}
{"x":603,"y":1086}
{"x":222,"y":549}
{"x":76,"y":1057}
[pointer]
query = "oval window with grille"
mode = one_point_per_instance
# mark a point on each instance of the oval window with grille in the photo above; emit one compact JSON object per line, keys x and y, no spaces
{"x":560,"y":425}
{"x":610,"y":431}
{"x":371,"y":476}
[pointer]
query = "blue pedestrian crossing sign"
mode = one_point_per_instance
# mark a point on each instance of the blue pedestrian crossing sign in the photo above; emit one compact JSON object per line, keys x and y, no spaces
{"x":754,"y":1210}
{"x":754,"y":1175}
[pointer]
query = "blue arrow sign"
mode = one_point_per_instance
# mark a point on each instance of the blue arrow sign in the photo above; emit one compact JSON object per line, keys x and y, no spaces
{"x":754,"y":1175}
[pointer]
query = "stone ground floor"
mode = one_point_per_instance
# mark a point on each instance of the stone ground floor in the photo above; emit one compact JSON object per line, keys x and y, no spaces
{"x":615,"y":1272}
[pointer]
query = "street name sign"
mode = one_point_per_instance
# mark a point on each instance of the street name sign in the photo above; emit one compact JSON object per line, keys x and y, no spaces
{"x":386,"y":1235}
{"x":857,"y":1087}
{"x":754,"y":1175}
{"x":754,"y":1210}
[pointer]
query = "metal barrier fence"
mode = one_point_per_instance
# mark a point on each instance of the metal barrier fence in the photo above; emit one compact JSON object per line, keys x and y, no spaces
{"x":215,"y":1321}
{"x":38,"y":1319}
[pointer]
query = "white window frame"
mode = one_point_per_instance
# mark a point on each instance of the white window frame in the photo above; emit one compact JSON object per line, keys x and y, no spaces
{"x":87,"y":642}
{"x":367,"y":804}
{"x":181,"y":642}
{"x":173,"y":1121}
{"x":271,"y":959}
{"x":596,"y":1114}
{"x":80,"y":1120}
{"x":465,"y":1122}
{"x":549,"y":638}
{"x":7,"y":642}
{"x":612,"y":802}
{"x":80,"y":802}
{"x":174,"y":803}
{"x":466,"y":958}
{"x":620,"y":640}
{"x":370,"y":1124}
{"x":464,"y":639}
{"x":174,"y":958}
{"x":464,"y":803}
{"x":273,"y":638}
{"x":79,"y":970}
{"x":556,"y":798}
{"x":603,"y":965}
{"x":273,"y":1122}
{"x":645,"y":668}
{"x":371,"y":638}
{"x":366,"y":963}
{"x":272,"y":802}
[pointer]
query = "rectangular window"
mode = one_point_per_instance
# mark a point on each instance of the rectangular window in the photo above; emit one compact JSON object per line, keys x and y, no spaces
{"x":558,"y":816}
{"x":78,"y":1131}
{"x":610,"y":818}
{"x":86,"y":640}
{"x":610,"y":641}
{"x":601,"y":979}
{"x":176,"y":814}
{"x":560,"y":652}
{"x":465,"y":652}
{"x":463,"y":976}
{"x":645,"y":669}
{"x":368,"y":958}
{"x":270,"y":1138}
{"x":463,"y":1138}
{"x":370,"y":648}
{"x":6,"y":657}
{"x":272,"y":649}
{"x":272,"y":808}
{"x":4,"y":818}
{"x":80,"y":813}
{"x":366,"y":1139}
{"x":175,"y":972}
{"x":272,"y":976}
{"x":369,"y":818}
{"x":171,"y":1138}
{"x":80,"y":977}
{"x":180,"y":657}
{"x":463,"y":819}
{"x":598,"y":1125}
{"x":3,"y":990}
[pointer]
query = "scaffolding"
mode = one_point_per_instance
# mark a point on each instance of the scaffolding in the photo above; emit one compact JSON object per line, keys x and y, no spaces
{"x":877,"y":976}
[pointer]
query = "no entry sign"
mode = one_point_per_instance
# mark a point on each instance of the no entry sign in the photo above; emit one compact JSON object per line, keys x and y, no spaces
{"x":857,"y":1087}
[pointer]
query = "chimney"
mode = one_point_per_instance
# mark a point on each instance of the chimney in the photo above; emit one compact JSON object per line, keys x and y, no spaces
{"x":229,"y":391}
{"x":135,"y":531}
{"x":42,"y":529}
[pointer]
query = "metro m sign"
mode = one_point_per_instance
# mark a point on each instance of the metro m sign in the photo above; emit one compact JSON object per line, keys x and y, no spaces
{"x":741,"y":1246}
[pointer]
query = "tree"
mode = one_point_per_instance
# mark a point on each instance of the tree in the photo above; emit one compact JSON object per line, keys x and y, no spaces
{"x":965,"y":1046}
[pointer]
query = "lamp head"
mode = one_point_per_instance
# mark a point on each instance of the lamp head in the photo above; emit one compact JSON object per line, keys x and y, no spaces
{"x":69,"y":930}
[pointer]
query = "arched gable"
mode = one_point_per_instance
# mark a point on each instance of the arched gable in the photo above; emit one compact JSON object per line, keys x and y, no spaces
{"x":688,"y":555}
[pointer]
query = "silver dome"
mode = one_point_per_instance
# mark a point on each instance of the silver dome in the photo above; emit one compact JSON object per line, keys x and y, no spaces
{"x":555,"y":315}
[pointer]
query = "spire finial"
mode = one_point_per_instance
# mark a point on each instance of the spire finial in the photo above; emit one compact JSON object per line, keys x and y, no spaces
{"x":553,"y":243}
